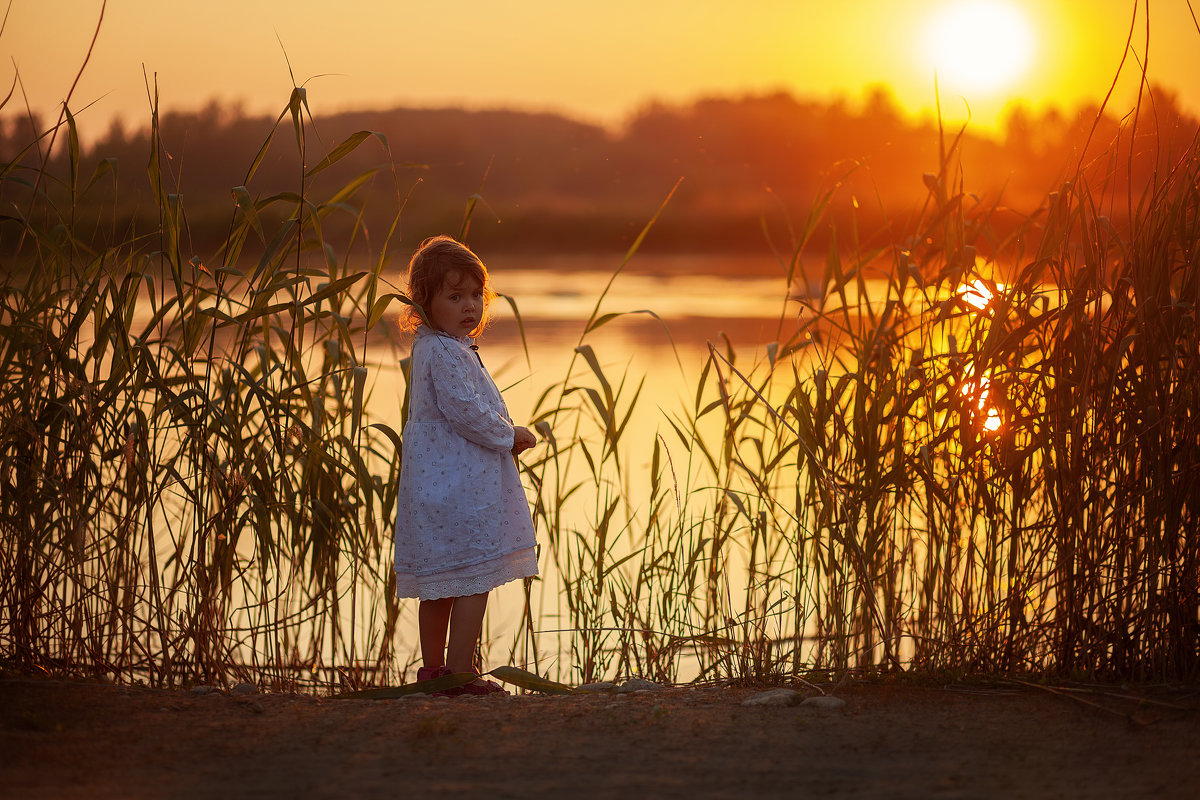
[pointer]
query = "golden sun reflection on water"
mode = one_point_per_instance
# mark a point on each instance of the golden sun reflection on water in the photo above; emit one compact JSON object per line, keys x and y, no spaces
{"x":978,"y":388}
{"x":979,"y":295}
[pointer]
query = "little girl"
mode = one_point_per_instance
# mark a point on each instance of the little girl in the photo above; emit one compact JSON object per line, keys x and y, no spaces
{"x":463,"y":525}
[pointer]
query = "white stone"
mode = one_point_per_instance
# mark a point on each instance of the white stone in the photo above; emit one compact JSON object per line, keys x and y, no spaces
{"x":774,"y":697}
{"x":597,"y":687}
{"x":640,"y":685}
{"x":825,"y":701}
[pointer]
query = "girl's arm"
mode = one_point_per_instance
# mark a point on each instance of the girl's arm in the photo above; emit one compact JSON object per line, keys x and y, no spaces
{"x":461,"y":392}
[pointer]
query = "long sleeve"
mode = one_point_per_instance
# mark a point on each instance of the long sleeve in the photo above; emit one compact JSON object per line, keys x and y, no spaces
{"x":466,"y":396}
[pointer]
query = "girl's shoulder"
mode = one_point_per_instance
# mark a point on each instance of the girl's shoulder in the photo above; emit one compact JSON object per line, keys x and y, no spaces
{"x":439,"y":346}
{"x":427,"y":337}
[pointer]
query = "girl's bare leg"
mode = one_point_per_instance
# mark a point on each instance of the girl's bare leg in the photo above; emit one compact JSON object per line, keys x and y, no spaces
{"x":466,"y":621}
{"x":432,"y":618}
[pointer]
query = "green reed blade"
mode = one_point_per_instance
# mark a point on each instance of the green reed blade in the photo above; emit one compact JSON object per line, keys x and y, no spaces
{"x":348,"y":146}
{"x":528,"y":680}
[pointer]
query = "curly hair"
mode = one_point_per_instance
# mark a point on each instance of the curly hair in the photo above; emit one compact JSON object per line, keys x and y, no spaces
{"x":438,"y":259}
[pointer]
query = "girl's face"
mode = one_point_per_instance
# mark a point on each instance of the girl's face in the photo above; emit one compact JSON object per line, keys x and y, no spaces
{"x":458,"y":305}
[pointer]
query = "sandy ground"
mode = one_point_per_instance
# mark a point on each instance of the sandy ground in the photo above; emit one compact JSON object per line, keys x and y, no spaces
{"x":85,"y":740}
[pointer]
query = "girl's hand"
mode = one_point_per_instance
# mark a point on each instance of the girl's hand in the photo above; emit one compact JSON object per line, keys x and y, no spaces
{"x":523,"y":439}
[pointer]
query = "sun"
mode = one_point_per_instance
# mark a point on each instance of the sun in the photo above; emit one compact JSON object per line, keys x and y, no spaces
{"x":979,"y":46}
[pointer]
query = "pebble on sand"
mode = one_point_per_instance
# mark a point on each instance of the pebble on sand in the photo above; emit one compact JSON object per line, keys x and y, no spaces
{"x":774,"y":697}
{"x":597,"y":687}
{"x":790,"y":697}
{"x":825,"y":701}
{"x":640,"y":685}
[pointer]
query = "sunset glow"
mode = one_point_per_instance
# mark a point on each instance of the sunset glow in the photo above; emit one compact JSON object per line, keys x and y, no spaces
{"x":977,"y":294}
{"x":977,"y":389}
{"x":980,"y":46}
{"x":829,"y":339}
{"x":598,"y":62}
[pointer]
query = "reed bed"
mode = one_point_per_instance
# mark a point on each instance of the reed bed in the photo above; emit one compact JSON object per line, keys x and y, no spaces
{"x":947,"y":463}
{"x":975,"y":450}
{"x":192,"y":490}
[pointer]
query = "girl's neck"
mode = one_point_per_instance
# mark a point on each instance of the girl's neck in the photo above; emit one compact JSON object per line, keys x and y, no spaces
{"x":438,"y":331}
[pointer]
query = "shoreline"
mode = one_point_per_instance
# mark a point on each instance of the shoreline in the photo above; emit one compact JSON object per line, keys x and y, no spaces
{"x":68,"y":739}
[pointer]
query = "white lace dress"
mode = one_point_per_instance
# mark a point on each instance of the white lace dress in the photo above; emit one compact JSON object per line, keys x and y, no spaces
{"x":462,"y":519}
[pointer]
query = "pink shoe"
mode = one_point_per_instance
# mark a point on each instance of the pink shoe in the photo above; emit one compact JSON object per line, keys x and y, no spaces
{"x":429,"y":673}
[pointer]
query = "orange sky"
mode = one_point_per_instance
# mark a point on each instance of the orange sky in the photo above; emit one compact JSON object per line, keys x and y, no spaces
{"x":596,"y":61}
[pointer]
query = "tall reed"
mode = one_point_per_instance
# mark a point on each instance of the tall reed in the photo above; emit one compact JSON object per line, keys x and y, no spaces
{"x":191,"y":489}
{"x":974,"y":449}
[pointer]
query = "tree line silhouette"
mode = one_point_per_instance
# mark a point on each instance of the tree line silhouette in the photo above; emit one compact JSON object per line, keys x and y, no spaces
{"x":751,"y":168}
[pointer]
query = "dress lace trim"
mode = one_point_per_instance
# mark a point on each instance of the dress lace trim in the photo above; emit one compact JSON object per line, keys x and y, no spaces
{"x":476,"y":579}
